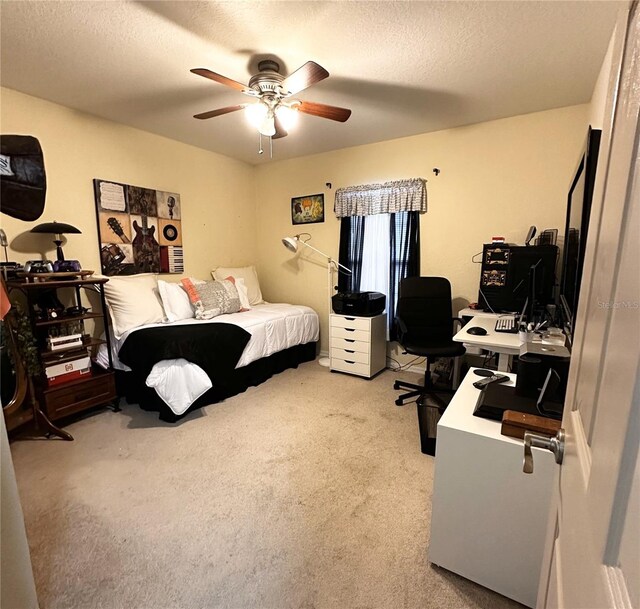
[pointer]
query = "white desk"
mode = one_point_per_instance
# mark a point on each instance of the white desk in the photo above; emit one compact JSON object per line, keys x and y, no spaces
{"x":478,"y":313}
{"x":503,"y":343}
{"x":488,"y":519}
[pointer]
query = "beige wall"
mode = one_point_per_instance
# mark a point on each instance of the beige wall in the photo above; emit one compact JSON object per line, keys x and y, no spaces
{"x":216,"y":191}
{"x":497,"y":178}
{"x":599,"y":97}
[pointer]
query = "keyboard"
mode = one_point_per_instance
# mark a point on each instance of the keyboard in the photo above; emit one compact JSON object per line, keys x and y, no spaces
{"x":507,"y":324}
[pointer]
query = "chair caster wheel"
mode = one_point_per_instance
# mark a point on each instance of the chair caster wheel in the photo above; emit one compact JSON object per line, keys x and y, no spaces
{"x":396,"y":386}
{"x":399,"y":403}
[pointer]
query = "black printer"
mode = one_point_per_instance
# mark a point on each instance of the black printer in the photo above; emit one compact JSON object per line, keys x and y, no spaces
{"x":359,"y":304}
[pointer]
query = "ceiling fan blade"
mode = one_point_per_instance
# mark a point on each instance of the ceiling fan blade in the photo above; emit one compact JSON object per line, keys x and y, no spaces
{"x":234,"y":84}
{"x":322,"y":110}
{"x":305,"y":76}
{"x":280,"y":130}
{"x":219,"y":111}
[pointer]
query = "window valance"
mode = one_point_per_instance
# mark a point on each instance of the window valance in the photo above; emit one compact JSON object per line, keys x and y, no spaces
{"x":387,"y":198}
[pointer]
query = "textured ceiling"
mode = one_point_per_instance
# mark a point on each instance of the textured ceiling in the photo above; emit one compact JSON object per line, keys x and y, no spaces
{"x":402,"y":67}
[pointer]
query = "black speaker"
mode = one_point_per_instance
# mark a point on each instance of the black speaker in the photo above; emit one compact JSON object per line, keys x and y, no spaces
{"x":533,"y":370}
{"x":530,"y":376}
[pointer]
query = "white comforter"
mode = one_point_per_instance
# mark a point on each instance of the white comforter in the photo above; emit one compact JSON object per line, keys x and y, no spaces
{"x":273,"y":328}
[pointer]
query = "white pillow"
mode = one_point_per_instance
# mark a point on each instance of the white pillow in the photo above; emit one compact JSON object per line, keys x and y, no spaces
{"x":243,"y":293}
{"x":175,"y":301}
{"x":248,"y":273}
{"x":133,"y":301}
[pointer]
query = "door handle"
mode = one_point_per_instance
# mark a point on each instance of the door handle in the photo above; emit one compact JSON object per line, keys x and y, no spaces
{"x":554,"y":445}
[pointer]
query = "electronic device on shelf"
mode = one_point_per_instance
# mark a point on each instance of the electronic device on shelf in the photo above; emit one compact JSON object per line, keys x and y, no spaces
{"x":507,"y":323}
{"x":10,"y":270}
{"x":496,"y":378}
{"x":496,"y":398}
{"x":66,"y":266}
{"x":38,"y":266}
{"x":359,"y":304}
{"x":76,"y":310}
{"x":504,"y":276}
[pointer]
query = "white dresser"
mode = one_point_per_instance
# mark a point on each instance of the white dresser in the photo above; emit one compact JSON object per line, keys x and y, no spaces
{"x":358,"y":345}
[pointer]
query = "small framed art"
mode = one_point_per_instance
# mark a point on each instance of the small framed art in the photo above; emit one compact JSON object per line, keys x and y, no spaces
{"x":308,"y":209}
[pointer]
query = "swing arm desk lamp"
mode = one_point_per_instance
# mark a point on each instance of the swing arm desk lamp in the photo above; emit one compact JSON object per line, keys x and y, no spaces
{"x":292,"y":244}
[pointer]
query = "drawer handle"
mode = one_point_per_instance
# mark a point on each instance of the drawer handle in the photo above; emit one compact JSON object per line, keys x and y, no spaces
{"x":349,"y":351}
{"x":350,"y":318}
{"x":350,"y":329}
{"x":348,"y":362}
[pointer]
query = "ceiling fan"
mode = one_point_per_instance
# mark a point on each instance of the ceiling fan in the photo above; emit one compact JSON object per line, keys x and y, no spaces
{"x":274,"y":110}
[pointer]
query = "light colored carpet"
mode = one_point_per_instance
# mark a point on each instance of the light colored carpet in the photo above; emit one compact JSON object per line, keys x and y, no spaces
{"x":309,"y":491}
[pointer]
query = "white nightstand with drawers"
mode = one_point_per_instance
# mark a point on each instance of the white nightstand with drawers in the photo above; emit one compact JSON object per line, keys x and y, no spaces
{"x":358,"y":345}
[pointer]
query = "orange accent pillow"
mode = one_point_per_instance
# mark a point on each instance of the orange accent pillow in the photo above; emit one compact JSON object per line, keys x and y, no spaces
{"x":190,"y":289}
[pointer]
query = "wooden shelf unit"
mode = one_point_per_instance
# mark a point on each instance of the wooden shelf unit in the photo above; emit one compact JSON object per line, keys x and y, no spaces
{"x":53,"y":402}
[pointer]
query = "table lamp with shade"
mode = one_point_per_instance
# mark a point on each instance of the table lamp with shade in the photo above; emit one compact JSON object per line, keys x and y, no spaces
{"x":292,"y":244}
{"x":57,"y":229}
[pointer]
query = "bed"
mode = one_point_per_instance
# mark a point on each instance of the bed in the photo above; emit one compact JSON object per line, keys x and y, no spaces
{"x":174,"y":367}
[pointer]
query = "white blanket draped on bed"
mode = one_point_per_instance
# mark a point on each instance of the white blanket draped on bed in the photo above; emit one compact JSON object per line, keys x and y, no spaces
{"x":273,"y":328}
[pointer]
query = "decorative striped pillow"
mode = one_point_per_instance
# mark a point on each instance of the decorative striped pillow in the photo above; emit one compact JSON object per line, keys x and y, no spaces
{"x":212,"y":298}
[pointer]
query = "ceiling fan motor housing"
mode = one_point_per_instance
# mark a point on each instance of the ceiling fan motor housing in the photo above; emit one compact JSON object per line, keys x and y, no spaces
{"x":268,"y":80}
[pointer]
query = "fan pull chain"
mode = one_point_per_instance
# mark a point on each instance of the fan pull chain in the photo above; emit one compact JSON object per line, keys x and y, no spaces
{"x":260,"y":149}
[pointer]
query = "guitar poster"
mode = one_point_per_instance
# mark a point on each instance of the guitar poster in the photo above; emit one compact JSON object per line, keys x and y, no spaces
{"x":140,"y":229}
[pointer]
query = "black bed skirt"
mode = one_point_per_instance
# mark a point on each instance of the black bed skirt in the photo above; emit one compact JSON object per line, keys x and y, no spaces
{"x":134,"y":390}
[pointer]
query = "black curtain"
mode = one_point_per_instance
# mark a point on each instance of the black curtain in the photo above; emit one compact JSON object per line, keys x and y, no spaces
{"x":404,"y":252}
{"x":404,"y":233}
{"x":350,"y":254}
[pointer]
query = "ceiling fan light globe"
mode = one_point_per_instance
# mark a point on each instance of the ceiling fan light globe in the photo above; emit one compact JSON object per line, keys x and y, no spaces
{"x":287,"y":116}
{"x":256,"y":113}
{"x":268,"y":126}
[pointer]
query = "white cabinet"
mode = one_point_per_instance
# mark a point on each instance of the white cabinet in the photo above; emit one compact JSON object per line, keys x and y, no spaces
{"x":488,"y":519}
{"x":358,"y":345}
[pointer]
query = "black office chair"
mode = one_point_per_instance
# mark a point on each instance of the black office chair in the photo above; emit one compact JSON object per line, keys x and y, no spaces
{"x":426,"y":328}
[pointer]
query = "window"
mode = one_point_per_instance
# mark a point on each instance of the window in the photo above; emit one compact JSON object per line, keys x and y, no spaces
{"x":380,"y":249}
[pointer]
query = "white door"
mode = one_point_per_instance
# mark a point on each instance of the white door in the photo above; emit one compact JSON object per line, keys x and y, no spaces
{"x":592,"y":557}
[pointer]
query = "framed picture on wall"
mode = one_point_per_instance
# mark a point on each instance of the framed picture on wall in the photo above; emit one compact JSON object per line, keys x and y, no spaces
{"x":139,"y":229}
{"x":308,"y":209}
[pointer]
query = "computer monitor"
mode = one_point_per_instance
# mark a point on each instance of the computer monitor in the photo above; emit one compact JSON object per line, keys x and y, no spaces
{"x":576,"y":229}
